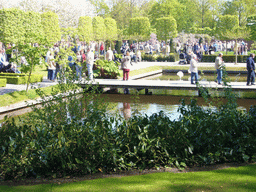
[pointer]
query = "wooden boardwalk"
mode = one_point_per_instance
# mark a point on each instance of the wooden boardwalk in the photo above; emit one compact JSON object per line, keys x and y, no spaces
{"x":170,"y":85}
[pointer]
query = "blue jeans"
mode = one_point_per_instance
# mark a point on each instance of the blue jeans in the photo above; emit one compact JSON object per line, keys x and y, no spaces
{"x":193,"y":74}
{"x":90,"y":71}
{"x":51,"y":74}
{"x":251,"y":77}
{"x":219,"y":75}
{"x":78,"y":71}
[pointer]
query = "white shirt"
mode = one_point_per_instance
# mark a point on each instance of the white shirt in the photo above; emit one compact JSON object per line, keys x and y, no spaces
{"x":109,"y":55}
{"x":90,"y":58}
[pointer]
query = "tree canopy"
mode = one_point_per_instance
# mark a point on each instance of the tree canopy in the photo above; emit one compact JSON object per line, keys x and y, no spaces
{"x":139,"y":28}
{"x":166,"y":28}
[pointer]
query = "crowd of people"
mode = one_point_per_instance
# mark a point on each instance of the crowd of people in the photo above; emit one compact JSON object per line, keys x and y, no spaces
{"x":88,"y":53}
{"x":5,"y":65}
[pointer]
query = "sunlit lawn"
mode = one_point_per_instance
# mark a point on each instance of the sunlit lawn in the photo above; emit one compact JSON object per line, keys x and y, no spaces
{"x":231,"y":179}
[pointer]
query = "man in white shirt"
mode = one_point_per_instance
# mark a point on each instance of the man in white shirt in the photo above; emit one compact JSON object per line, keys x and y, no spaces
{"x":109,"y":54}
{"x":89,"y":63}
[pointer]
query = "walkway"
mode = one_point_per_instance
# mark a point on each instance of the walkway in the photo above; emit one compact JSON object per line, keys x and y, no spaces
{"x":11,"y":88}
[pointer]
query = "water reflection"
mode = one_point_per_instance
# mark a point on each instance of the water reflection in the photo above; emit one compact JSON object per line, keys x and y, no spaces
{"x":127,"y":110}
{"x":127,"y":106}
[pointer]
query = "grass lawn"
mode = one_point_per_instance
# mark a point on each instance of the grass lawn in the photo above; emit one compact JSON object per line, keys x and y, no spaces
{"x":231,"y":179}
{"x":19,"y":96}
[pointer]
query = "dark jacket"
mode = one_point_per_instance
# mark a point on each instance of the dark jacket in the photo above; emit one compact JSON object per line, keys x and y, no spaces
{"x":250,"y":64}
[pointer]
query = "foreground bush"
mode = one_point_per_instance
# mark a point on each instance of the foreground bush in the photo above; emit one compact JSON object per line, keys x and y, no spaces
{"x":76,"y":136}
{"x":60,"y":143}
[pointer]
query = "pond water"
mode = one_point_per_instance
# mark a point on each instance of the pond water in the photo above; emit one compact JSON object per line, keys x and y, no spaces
{"x":126,"y":105}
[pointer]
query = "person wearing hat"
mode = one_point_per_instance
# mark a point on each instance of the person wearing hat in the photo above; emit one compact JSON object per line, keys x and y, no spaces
{"x":218,"y":66}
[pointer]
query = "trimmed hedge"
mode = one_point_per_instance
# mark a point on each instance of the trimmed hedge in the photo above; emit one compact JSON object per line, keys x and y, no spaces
{"x":17,"y":80}
{"x":226,"y":58}
{"x":12,"y":74}
{"x":161,"y":58}
{"x":3,"y":82}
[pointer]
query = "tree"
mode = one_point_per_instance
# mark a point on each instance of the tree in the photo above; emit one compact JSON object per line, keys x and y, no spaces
{"x":23,"y":29}
{"x":98,"y":28}
{"x":30,"y":5}
{"x":166,"y":8}
{"x":251,"y":24}
{"x":235,"y":34}
{"x":33,"y":27}
{"x":123,"y":10}
{"x":51,"y":28}
{"x":225,"y":24}
{"x":204,"y":8}
{"x":139,"y":28}
{"x":110,"y":29}
{"x":242,"y":8}
{"x":166,"y":28}
{"x":12,"y":25}
{"x":101,"y":7}
{"x":85,"y":29}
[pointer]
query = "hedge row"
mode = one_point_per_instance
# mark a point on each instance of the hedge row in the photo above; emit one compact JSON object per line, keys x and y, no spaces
{"x":17,"y":80}
{"x":226,"y":58}
{"x":3,"y":82}
{"x":161,"y":58}
{"x":13,"y":74}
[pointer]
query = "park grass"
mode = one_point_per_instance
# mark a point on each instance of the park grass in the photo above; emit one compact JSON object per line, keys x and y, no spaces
{"x":19,"y":96}
{"x":155,"y":68}
{"x":242,"y":179}
{"x":40,"y":70}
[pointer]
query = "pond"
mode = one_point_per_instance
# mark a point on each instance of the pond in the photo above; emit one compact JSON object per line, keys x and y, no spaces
{"x":126,"y":105}
{"x":149,"y":104}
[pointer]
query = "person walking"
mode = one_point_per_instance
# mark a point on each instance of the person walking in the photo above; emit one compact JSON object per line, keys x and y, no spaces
{"x":126,"y":65}
{"x":51,"y":67}
{"x":219,"y":67}
{"x":193,"y":69}
{"x":89,"y":63}
{"x":110,"y":55}
{"x":250,"y":70}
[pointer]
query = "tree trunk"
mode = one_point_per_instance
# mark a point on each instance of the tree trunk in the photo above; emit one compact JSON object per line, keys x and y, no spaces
{"x":29,"y":76}
{"x":226,"y":48}
{"x":236,"y":52}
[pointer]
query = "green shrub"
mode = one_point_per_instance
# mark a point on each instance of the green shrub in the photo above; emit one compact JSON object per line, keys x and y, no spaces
{"x":17,"y":80}
{"x":160,"y":58}
{"x":12,"y":74}
{"x":118,"y":46}
{"x":3,"y":82}
{"x":108,"y":69}
{"x":226,"y":58}
{"x":72,"y":136}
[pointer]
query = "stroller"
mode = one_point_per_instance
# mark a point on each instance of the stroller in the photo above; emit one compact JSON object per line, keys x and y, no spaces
{"x":182,"y":59}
